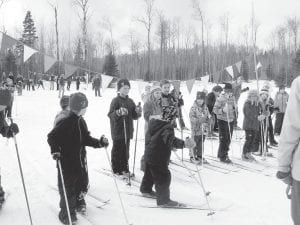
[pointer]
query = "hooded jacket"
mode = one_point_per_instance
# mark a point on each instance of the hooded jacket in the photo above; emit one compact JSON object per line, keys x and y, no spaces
{"x":289,"y":148}
{"x":221,"y":101}
{"x":251,"y":111}
{"x":199,"y":117}
{"x":160,"y":139}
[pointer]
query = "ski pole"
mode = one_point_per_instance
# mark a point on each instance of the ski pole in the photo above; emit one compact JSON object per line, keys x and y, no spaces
{"x":136,"y":136}
{"x":64,"y":189}
{"x":126,"y":147}
{"x":228,"y":123}
{"x":202,"y":145}
{"x":200,"y":182}
{"x":117,"y":188}
{"x":22,"y":176}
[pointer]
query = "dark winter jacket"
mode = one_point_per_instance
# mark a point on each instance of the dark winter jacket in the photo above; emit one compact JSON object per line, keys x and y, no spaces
{"x":160,"y":140}
{"x":97,"y":82}
{"x":251,"y":111}
{"x":116,"y":122}
{"x":221,"y":102}
{"x":210,"y":101}
{"x":3,"y":125}
{"x":69,"y":137}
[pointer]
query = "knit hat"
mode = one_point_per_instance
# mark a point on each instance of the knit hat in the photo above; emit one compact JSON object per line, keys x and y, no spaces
{"x":217,"y":88}
{"x":169,"y":113}
{"x":154,"y":89}
{"x":252,"y":93}
{"x":264,"y":90}
{"x":122,"y":82}
{"x":5,"y":96}
{"x":201,"y":95}
{"x":163,"y":82}
{"x":64,"y":101}
{"x":228,"y":87}
{"x":78,"y":101}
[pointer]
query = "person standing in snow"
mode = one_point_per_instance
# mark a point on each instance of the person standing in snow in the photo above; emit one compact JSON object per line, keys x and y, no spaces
{"x":289,"y":150}
{"x":122,"y":112}
{"x":280,"y":103}
{"x":251,"y":125}
{"x":160,"y":140}
{"x":97,"y":83}
{"x":225,"y":109}
{"x":67,"y":141}
{"x":210,"y":101}
{"x":9,"y":84}
{"x":62,"y":84}
{"x":200,"y":119}
{"x":7,"y":131}
{"x":77,"y":83}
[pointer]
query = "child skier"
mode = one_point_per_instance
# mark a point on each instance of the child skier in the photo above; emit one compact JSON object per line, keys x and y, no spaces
{"x":251,"y":124}
{"x":199,"y":117}
{"x":5,"y":130}
{"x":122,"y":112}
{"x":67,"y":141}
{"x":224,"y":108}
{"x":160,"y":140}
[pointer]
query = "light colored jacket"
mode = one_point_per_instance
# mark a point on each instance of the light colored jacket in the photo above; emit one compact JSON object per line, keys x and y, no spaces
{"x":280,"y":101}
{"x":221,"y":102}
{"x":199,"y":117}
{"x":289,"y":148}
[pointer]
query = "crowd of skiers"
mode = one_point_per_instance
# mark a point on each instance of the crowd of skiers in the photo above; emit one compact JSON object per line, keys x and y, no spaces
{"x":210,"y":112}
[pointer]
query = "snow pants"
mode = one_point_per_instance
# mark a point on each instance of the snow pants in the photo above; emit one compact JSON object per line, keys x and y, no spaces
{"x":278,"y":122}
{"x":120,"y":156}
{"x":97,"y":91}
{"x":295,"y":203}
{"x":252,"y":141}
{"x":161,"y":178}
{"x":225,"y":134}
{"x":197,"y":150}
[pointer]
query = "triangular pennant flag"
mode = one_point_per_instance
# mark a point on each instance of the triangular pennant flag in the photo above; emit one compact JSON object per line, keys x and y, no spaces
{"x":69,"y":70}
{"x":176,"y":85}
{"x":190,"y":84}
{"x":48,"y":62}
{"x":239,"y":66}
{"x":7,"y":42}
{"x":106,"y":81}
{"x":259,"y":65}
{"x":28,"y":52}
{"x":229,"y":69}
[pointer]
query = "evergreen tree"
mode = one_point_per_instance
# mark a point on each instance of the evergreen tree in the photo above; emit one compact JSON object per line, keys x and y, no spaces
{"x":270,"y":72}
{"x":29,"y":31}
{"x":245,"y":70}
{"x":10,"y":63}
{"x":296,"y":63}
{"x":281,"y":78}
{"x":110,"y":66}
{"x":78,"y":58}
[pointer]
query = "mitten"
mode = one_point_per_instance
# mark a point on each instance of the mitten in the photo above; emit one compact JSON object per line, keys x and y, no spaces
{"x":56,"y":155}
{"x":103,"y":141}
{"x":189,"y":143}
{"x":13,"y":129}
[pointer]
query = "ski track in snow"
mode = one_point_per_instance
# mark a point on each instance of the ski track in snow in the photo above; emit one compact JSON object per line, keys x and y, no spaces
{"x":255,"y":199}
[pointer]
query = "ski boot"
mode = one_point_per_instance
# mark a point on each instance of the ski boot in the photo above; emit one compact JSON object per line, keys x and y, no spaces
{"x":63,"y":217}
{"x":195,"y":160}
{"x":225,"y":160}
{"x":81,"y":206}
{"x":151,"y":194}
{"x":171,"y":204}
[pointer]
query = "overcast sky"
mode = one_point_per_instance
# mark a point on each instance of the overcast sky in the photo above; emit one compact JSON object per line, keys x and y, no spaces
{"x":269,"y":13}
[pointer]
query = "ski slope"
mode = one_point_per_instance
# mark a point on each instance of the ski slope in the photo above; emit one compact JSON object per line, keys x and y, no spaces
{"x":240,"y":197}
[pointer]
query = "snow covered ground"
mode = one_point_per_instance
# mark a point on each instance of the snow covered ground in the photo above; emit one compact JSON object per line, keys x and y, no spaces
{"x":250,"y":197}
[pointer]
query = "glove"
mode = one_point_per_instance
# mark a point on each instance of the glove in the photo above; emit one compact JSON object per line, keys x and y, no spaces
{"x":13,"y":129}
{"x":189,"y":143}
{"x":122,"y":111}
{"x":104,"y":141}
{"x":56,"y":155}
{"x":285,"y":177}
{"x":261,"y":117}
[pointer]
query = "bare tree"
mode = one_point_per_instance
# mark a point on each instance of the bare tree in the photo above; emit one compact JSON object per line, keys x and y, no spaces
{"x":281,"y":35}
{"x":147,"y":21}
{"x":84,"y":7}
{"x":245,"y":36}
{"x":293,"y":26}
{"x":2,"y":2}
{"x":107,"y":25}
{"x":224,"y":22}
{"x":198,"y":15}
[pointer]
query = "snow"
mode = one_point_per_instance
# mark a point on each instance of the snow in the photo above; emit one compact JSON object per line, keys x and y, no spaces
{"x":253,"y":198}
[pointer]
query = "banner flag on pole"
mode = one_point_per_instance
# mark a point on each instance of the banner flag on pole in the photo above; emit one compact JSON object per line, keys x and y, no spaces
{"x":176,"y":85}
{"x":106,"y":81}
{"x":69,"y":70}
{"x":239,"y":66}
{"x":48,"y":62}
{"x":229,"y":69}
{"x":259,"y":65}
{"x":7,"y":42}
{"x":190,"y":85}
{"x":28,"y":52}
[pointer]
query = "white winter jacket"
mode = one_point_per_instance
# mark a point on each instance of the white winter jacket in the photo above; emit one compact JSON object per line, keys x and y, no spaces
{"x":289,"y":148}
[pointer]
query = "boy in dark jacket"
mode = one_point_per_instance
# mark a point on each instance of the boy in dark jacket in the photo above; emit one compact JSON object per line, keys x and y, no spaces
{"x":5,"y":130}
{"x":67,"y":141}
{"x":210,"y":102}
{"x":251,"y":125}
{"x":122,"y":112}
{"x":160,"y":140}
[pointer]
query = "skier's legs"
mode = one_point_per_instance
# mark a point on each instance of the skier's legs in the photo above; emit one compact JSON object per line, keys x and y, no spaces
{"x":147,"y":182}
{"x":116,"y":154}
{"x":162,"y":181}
{"x":248,"y":142}
{"x":223,"y":139}
{"x":278,"y":122}
{"x":194,"y":151}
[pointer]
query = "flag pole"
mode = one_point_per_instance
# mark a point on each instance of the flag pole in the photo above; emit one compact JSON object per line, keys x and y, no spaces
{"x":254,"y":48}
